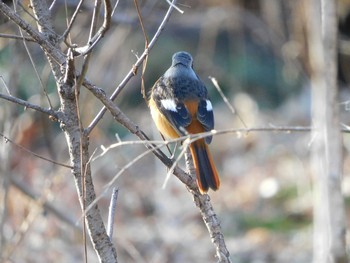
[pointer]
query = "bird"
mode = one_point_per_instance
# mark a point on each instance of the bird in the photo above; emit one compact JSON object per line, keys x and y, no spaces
{"x":180,"y":106}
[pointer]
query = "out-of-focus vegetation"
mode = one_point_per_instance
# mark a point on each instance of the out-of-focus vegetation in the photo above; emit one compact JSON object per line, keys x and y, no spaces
{"x":257,"y":51}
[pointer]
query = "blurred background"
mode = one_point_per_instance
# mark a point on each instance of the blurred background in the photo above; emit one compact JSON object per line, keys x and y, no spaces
{"x":257,"y":50}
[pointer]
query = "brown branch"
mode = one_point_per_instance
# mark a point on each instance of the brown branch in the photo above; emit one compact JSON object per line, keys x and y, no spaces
{"x":68,"y":116}
{"x":121,"y":118}
{"x":69,"y":27}
{"x":50,"y":49}
{"x":208,"y":214}
{"x":132,"y":71}
{"x":44,"y":24}
{"x":79,"y":150}
{"x":144,"y":64}
{"x":27,"y":104}
{"x":10,"y":36}
{"x":81,"y":51}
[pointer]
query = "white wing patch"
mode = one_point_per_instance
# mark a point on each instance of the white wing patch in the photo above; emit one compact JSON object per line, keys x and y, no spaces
{"x":209,"y":105}
{"x":169,"y":104}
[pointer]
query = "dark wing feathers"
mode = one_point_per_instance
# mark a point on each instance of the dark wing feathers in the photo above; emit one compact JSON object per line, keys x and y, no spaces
{"x":206,"y":118}
{"x":179,"y":118}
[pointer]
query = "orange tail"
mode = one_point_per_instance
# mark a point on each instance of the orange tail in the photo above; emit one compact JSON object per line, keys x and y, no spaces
{"x":207,"y":176}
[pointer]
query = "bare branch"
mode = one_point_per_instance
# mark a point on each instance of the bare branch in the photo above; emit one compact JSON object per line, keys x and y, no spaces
{"x":50,"y":49}
{"x":75,"y":14}
{"x":7,"y":139}
{"x":111,"y":212}
{"x":10,"y":36}
{"x":143,"y":91}
{"x":213,"y":225}
{"x":208,"y":214}
{"x":81,"y":51}
{"x":43,"y":17}
{"x":327,"y":155}
{"x":133,"y":69}
{"x":26,"y":104}
{"x":224,"y":98}
{"x":36,"y":71}
{"x":78,"y":145}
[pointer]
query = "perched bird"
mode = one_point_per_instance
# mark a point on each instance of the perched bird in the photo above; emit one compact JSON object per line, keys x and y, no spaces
{"x":180,"y":106}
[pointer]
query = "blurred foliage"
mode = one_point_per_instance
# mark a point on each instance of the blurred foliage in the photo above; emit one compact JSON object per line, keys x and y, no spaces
{"x":280,"y":223}
{"x":258,"y":53}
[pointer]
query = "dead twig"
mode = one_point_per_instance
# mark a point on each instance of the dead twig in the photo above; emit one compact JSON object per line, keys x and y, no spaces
{"x":7,"y":139}
{"x":29,"y":105}
{"x":132,"y":71}
{"x":81,"y":51}
{"x":111,"y":212}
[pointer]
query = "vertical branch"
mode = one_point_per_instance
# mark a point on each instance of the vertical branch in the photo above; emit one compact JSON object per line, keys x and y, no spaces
{"x":43,"y":15}
{"x":5,"y":159}
{"x":78,"y":145}
{"x":329,"y":214}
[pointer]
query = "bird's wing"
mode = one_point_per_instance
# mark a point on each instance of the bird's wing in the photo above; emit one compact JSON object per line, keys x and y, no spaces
{"x":176,"y":113}
{"x":174,"y":110}
{"x":206,"y":117}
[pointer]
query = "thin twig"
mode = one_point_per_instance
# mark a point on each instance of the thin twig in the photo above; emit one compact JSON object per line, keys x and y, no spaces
{"x":5,"y":85}
{"x":171,"y":169}
{"x":7,"y":139}
{"x":224,"y":98}
{"x":87,"y":57}
{"x":74,"y":16}
{"x":144,"y":64}
{"x":173,"y":5}
{"x":115,"y":7}
{"x":82,"y":51}
{"x":55,"y":53}
{"x":27,"y":104}
{"x":111,"y":212}
{"x":10,"y":36}
{"x":35,"y":69}
{"x":111,"y":182}
{"x":43,"y":25}
{"x":131,"y":73}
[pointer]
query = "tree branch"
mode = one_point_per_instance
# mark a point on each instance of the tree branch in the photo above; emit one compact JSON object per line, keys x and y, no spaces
{"x":208,"y":214}
{"x":27,"y":104}
{"x":327,"y":156}
{"x":79,"y":150}
{"x":50,"y":49}
{"x":81,"y":51}
{"x":7,"y":139}
{"x":201,"y":201}
{"x":133,"y":70}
